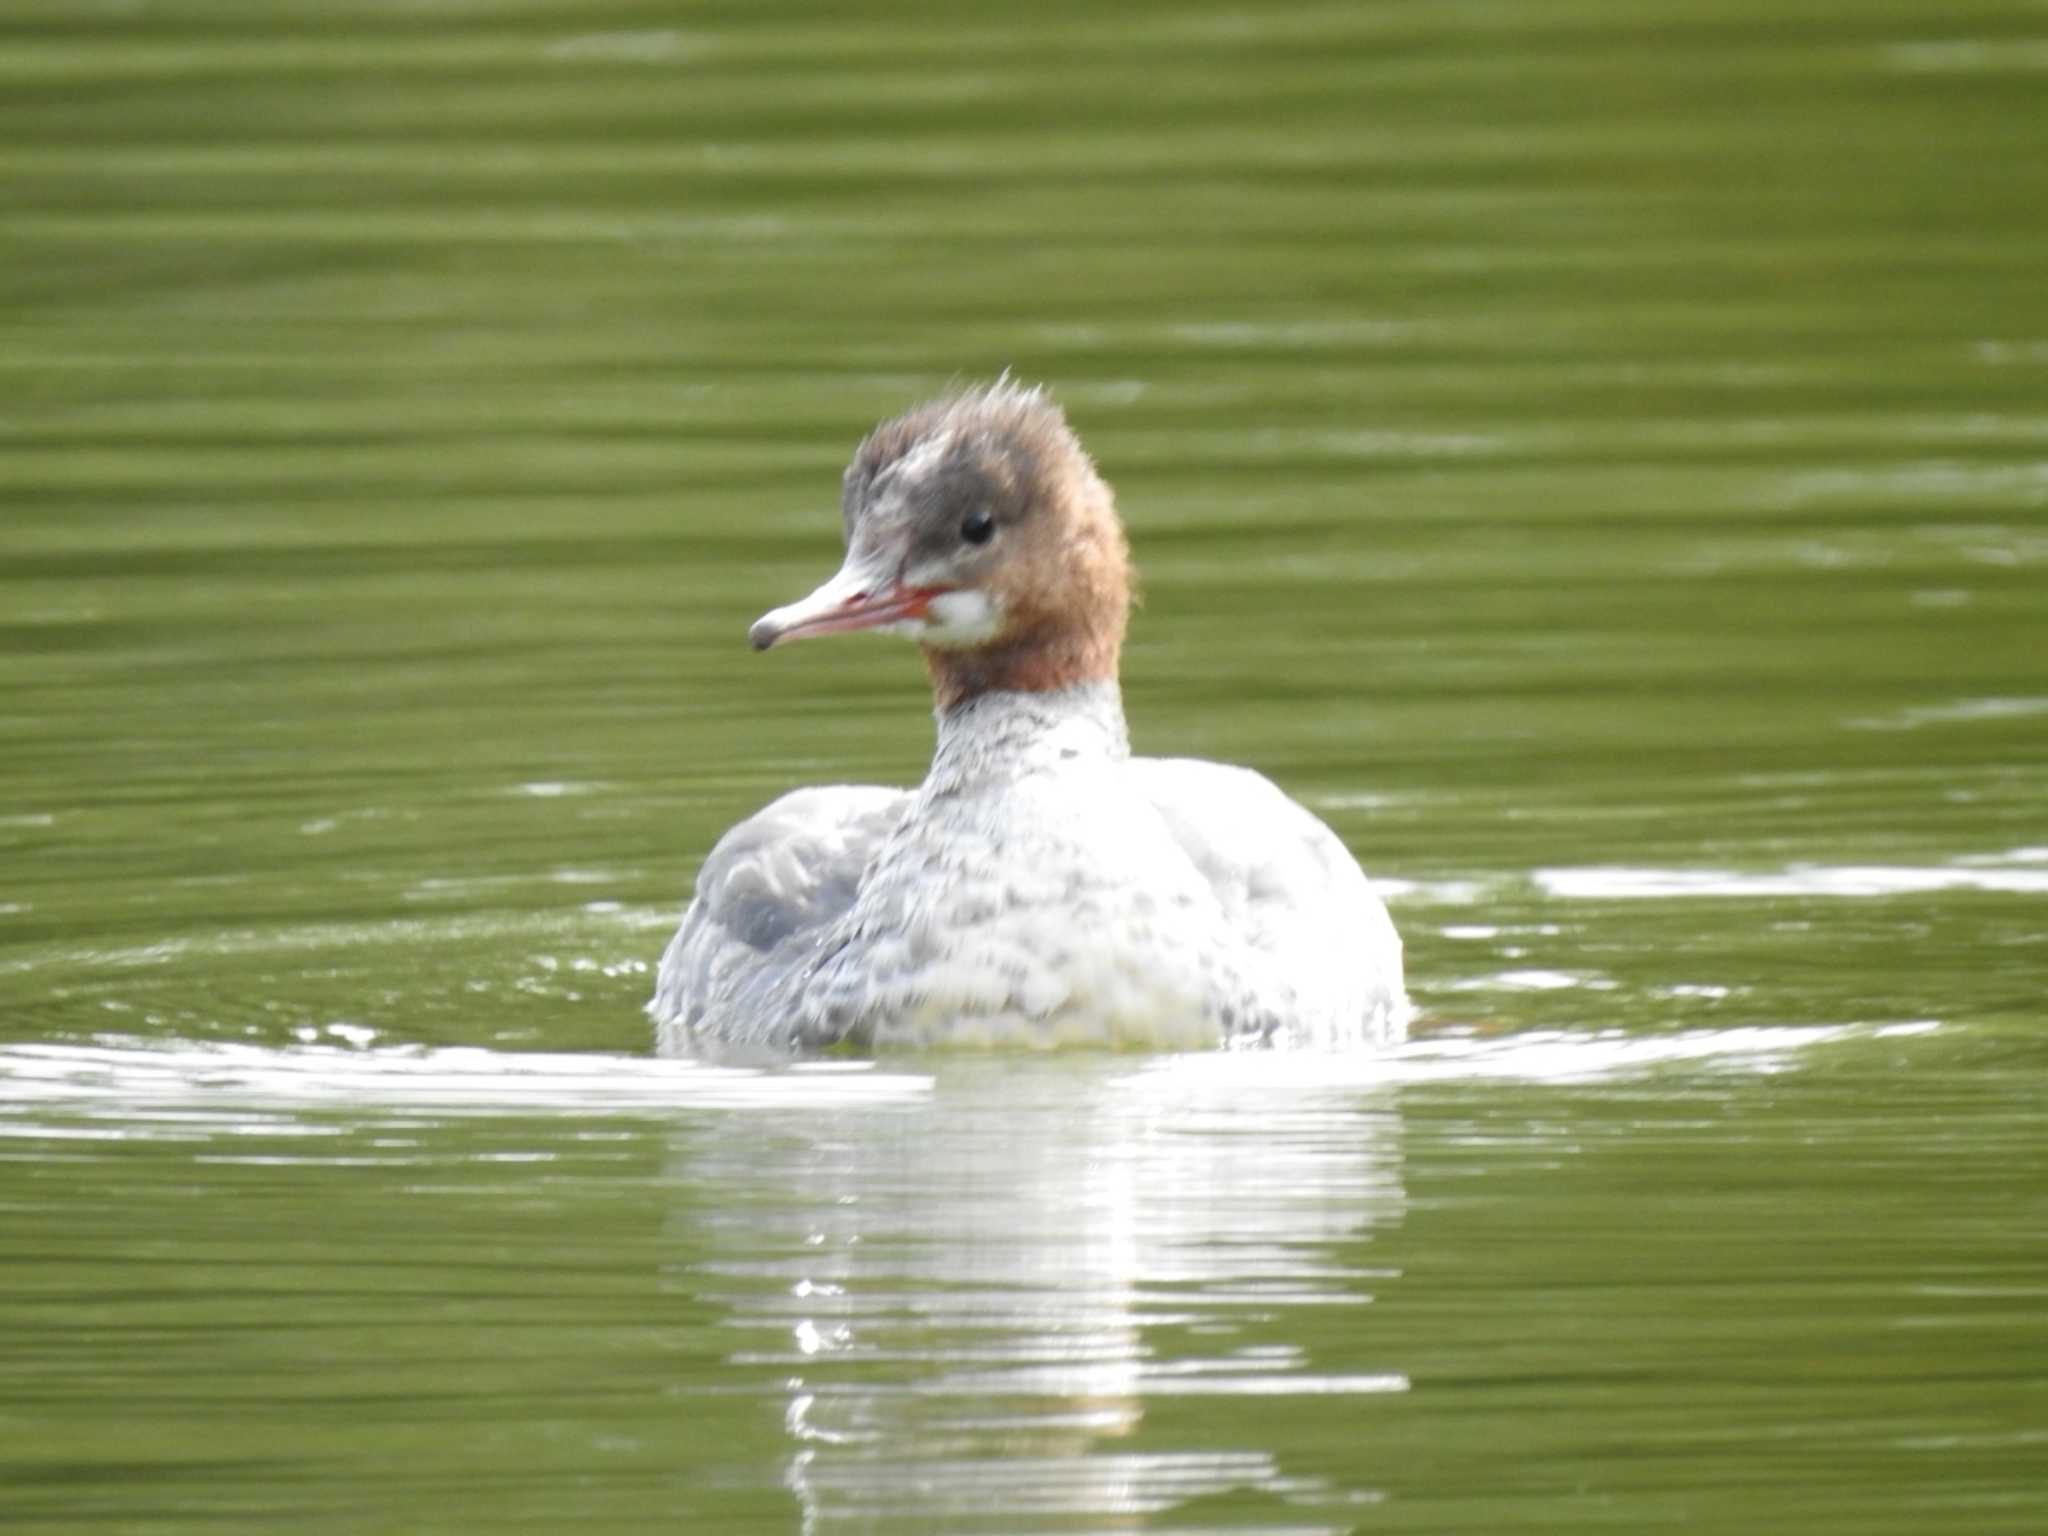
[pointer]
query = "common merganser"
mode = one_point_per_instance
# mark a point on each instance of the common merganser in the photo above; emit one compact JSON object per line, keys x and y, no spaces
{"x":1042,"y":887}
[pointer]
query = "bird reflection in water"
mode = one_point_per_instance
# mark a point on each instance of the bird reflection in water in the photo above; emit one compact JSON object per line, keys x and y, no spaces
{"x":972,"y":1301}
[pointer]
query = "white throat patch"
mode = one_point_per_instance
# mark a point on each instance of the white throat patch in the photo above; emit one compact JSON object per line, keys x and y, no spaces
{"x":961,"y":619}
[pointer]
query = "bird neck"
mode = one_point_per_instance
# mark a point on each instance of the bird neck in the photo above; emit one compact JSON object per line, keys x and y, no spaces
{"x":1027,"y":658}
{"x":1002,"y":734}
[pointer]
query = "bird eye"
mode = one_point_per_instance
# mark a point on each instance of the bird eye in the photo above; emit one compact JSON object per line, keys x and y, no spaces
{"x":979,"y":528}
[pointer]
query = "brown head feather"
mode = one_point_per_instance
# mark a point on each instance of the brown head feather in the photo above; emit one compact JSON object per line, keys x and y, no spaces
{"x":1061,"y":573}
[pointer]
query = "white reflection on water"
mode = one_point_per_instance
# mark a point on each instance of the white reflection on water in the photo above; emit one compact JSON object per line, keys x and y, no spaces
{"x":1622,"y":883}
{"x":970,"y":1302}
{"x":1959,"y":712}
{"x":132,"y":1086}
{"x":986,"y":1294}
{"x":139,"y":1087}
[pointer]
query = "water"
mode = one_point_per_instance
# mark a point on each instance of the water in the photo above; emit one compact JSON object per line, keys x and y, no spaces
{"x":1620,"y":1279}
{"x":1597,"y":461}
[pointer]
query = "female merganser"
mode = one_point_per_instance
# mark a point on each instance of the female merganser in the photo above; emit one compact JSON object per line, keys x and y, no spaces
{"x":1042,"y":887}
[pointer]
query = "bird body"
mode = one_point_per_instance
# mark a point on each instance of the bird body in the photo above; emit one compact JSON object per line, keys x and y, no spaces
{"x":1042,"y":887}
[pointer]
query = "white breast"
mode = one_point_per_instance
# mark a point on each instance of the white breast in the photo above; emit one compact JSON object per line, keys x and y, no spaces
{"x":1040,"y":889}
{"x":1066,"y":915}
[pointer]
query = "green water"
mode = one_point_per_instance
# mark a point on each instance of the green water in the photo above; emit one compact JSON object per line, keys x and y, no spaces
{"x":1596,"y":456}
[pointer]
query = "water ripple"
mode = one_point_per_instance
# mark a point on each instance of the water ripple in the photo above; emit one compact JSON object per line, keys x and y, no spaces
{"x":133,"y":1076}
{"x":1625,"y":883}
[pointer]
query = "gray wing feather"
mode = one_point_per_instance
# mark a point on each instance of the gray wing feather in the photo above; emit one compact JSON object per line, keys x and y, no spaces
{"x":766,"y":897}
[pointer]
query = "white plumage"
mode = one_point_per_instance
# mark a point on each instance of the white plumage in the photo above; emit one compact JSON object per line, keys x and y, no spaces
{"x":1042,"y":887}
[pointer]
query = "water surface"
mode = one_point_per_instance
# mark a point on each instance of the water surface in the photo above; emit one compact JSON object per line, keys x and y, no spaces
{"x":1597,"y":460}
